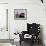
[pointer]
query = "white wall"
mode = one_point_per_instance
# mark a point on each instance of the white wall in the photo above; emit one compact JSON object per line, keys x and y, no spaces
{"x":3,"y":1}
{"x":35,"y":14}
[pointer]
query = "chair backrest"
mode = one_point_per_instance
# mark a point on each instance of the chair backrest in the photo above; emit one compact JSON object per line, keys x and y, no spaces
{"x":33,"y":28}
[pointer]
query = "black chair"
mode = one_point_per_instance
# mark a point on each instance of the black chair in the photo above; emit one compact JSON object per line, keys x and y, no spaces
{"x":32,"y":29}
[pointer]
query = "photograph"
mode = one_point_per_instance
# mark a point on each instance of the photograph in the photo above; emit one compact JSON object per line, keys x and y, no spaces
{"x":20,"y":14}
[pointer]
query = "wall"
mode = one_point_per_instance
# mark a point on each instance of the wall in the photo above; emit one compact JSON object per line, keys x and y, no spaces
{"x":35,"y":13}
{"x":3,"y":1}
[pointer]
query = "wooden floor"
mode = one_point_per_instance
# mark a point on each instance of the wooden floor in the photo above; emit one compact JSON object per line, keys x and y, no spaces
{"x":27,"y":44}
{"x":6,"y":40}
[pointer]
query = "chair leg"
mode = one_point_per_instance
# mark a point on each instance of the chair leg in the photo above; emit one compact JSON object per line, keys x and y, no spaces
{"x":20,"y":42}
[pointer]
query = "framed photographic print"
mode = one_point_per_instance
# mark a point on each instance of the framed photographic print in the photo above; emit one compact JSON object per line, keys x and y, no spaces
{"x":20,"y":14}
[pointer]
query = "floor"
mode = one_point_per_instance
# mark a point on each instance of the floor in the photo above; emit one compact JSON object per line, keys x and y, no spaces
{"x":22,"y":44}
{"x":5,"y":44}
{"x":26,"y":44}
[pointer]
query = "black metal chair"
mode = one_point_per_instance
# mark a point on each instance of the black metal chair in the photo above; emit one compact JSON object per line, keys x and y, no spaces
{"x":32,"y":29}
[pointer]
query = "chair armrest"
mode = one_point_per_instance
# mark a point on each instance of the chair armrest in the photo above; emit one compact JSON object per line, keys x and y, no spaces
{"x":22,"y":35}
{"x":24,"y":32}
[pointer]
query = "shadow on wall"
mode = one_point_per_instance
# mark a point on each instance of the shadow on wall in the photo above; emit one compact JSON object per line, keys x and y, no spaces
{"x":41,"y":34}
